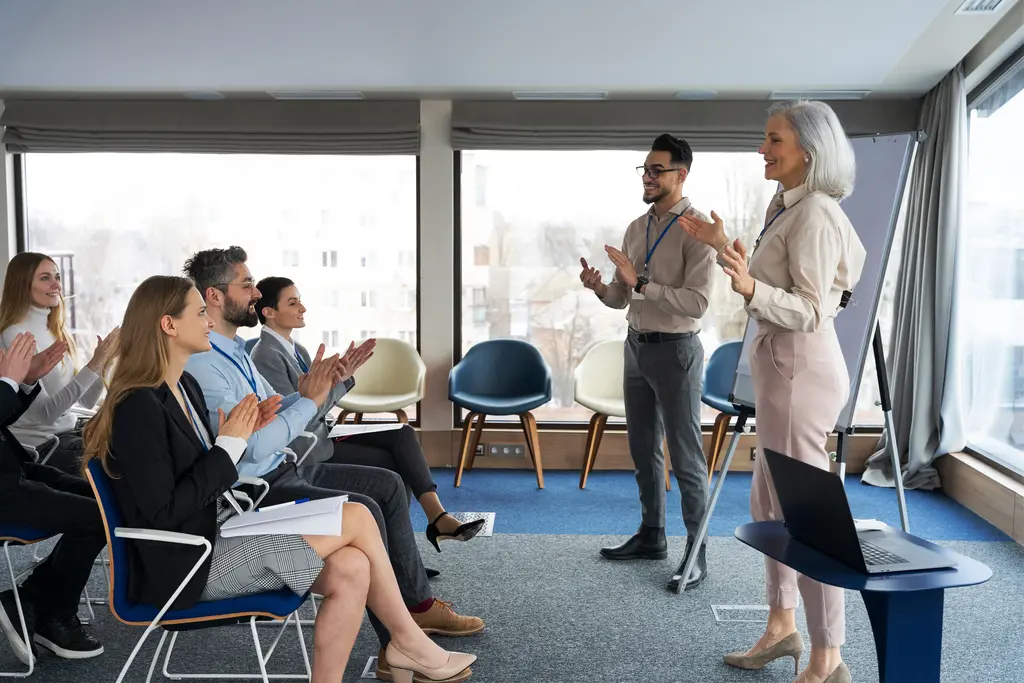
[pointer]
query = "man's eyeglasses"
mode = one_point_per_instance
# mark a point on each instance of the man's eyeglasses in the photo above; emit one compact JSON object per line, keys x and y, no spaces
{"x":653,"y":173}
{"x":244,"y":284}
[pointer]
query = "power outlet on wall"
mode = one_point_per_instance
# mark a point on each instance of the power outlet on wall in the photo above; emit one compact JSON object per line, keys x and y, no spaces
{"x":510,"y":450}
{"x":480,"y":449}
{"x":753,"y":453}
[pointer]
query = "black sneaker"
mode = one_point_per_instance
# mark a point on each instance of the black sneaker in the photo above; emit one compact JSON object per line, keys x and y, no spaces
{"x":65,"y":637}
{"x":11,"y":625}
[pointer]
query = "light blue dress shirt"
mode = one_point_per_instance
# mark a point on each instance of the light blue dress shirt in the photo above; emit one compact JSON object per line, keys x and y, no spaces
{"x":227,"y":375}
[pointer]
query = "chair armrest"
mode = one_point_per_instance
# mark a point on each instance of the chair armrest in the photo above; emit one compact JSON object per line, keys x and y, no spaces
{"x":158,"y":535}
{"x":313,"y":440}
{"x":44,"y":450}
{"x":256,"y":481}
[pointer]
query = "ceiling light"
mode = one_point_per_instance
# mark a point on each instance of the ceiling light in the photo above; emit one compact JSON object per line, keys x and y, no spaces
{"x":316,"y":95}
{"x":696,"y":94}
{"x":818,"y":94}
{"x":555,"y":95}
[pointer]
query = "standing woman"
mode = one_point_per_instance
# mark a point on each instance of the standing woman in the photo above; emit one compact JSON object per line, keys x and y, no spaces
{"x":806,"y":257}
{"x":33,"y":302}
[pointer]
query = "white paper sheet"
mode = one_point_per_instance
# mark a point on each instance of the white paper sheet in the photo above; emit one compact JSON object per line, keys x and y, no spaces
{"x":314,"y":517}
{"x":869,"y":525}
{"x":352,"y":430}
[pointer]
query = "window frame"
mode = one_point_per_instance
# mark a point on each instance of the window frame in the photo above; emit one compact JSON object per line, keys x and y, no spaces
{"x":21,"y":241}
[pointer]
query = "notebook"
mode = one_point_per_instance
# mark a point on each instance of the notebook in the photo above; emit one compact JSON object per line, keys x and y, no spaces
{"x":342,"y":431}
{"x":314,"y":517}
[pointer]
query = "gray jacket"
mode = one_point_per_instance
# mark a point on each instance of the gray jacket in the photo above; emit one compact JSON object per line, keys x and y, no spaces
{"x":280,"y":368}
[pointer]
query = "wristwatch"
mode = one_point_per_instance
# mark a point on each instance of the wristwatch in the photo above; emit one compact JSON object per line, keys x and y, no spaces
{"x":640,"y":282}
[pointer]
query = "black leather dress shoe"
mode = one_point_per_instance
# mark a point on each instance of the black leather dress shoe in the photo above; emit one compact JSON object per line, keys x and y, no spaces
{"x":697,"y":575}
{"x":648,"y":543}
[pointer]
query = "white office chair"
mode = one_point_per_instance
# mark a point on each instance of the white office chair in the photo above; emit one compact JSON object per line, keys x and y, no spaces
{"x":598,"y":386}
{"x":392,"y":380}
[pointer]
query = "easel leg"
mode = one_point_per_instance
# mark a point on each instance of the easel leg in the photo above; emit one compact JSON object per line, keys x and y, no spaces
{"x":702,"y":531}
{"x":890,"y":426}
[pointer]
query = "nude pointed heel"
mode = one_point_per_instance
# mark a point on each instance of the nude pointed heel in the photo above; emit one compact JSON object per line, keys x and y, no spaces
{"x":840,"y":675}
{"x":403,"y":667}
{"x":790,"y":646}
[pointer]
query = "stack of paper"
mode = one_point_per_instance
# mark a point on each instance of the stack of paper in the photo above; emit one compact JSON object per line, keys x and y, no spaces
{"x":341,"y":431}
{"x":313,"y":517}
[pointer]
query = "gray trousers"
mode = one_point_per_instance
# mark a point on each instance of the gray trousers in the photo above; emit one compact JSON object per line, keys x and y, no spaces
{"x":662,"y":387}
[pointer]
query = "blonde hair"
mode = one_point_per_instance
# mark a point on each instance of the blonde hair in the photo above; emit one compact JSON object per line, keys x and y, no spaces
{"x":17,"y":298}
{"x":140,"y":359}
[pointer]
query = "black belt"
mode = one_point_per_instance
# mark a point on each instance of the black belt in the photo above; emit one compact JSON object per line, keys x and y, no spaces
{"x":659,"y":337}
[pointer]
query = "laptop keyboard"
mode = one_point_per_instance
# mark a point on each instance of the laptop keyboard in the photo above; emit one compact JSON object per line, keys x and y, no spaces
{"x":873,"y":555}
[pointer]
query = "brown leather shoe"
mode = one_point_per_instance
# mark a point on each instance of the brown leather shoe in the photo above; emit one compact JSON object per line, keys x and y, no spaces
{"x":383,"y":672}
{"x":442,"y":620}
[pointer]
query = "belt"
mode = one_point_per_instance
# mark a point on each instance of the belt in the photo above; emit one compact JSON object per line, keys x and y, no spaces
{"x":658,"y":337}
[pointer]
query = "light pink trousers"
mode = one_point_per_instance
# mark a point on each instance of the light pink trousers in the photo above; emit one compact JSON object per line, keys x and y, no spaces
{"x":800,"y":386}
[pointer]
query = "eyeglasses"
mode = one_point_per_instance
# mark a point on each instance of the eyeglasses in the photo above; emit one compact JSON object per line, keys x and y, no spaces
{"x":653,"y":173}
{"x":246,"y":285}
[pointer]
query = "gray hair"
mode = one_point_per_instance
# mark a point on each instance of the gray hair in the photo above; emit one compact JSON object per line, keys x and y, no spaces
{"x":832,"y":166}
{"x":214,"y":268}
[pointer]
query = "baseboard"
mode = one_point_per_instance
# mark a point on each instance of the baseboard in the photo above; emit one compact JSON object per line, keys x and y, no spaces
{"x":563,"y":450}
{"x":987,"y":491}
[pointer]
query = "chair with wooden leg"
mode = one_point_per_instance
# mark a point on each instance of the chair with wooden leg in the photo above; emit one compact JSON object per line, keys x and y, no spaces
{"x":390,"y":381}
{"x":500,"y":377}
{"x":719,"y":372}
{"x":598,"y":386}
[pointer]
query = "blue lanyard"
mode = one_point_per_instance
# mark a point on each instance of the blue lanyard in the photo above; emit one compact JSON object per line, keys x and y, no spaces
{"x":650,"y":249}
{"x":249,"y":378}
{"x":195,"y":420}
{"x":767,"y":225}
{"x":302,"y":365}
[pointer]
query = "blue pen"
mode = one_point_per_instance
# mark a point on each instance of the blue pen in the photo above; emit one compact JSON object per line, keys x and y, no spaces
{"x":281,"y":505}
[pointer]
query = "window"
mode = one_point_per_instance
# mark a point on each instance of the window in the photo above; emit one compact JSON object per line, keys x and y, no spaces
{"x":289,"y":257}
{"x":331,"y":339}
{"x":407,"y":259}
{"x":409,"y":298}
{"x":991,"y":262}
{"x":368,"y":298}
{"x":111,"y":220}
{"x":523,"y":235}
{"x":367,"y":334}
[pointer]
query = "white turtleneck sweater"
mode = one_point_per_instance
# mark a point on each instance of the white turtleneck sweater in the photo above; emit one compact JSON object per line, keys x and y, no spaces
{"x":61,"y":388}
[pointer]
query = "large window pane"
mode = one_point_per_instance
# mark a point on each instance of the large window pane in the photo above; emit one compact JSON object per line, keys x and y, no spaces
{"x":528,"y":216}
{"x":342,"y":227}
{"x":991,"y":305}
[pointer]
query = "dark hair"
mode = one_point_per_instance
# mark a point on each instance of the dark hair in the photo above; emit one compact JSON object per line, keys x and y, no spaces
{"x":678,"y":148}
{"x":270,"y":294}
{"x":214,"y":267}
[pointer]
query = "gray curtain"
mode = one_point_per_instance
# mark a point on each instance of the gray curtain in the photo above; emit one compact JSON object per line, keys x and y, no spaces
{"x":922,"y":359}
{"x":223,"y":127}
{"x":713,"y":125}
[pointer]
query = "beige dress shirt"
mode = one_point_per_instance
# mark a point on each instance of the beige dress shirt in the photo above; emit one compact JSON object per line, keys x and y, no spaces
{"x":807,"y":257}
{"x":679,"y":272}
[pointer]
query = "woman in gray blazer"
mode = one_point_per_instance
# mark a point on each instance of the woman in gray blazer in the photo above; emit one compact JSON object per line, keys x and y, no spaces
{"x":282,"y":361}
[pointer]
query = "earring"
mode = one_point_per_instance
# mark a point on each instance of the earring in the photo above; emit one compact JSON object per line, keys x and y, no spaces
{"x":807,"y":160}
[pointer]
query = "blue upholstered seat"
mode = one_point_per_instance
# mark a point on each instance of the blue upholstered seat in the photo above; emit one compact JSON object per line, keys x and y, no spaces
{"x":719,"y":372}
{"x":500,"y":377}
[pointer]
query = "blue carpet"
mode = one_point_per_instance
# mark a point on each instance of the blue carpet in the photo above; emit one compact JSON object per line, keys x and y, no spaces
{"x":609,"y":505}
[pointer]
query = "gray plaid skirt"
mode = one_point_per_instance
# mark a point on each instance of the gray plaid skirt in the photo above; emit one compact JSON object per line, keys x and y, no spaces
{"x":243,"y":565}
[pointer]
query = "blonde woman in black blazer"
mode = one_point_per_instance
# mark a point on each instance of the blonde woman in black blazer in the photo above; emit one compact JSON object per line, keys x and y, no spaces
{"x":152,"y":437}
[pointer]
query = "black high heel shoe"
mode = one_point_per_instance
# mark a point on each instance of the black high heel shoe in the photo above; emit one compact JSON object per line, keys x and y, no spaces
{"x":463,"y":533}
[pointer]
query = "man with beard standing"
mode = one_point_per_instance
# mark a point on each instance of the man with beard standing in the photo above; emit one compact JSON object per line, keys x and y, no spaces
{"x":663,"y":276}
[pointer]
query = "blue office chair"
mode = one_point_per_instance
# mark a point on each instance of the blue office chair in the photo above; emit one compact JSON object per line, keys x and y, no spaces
{"x":500,"y":377}
{"x":719,"y":372}
{"x":277,"y":605}
{"x":20,"y":536}
{"x":249,"y":343}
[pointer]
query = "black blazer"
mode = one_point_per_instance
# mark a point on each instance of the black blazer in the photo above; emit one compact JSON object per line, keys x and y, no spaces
{"x":15,"y":462}
{"x":164,"y":479}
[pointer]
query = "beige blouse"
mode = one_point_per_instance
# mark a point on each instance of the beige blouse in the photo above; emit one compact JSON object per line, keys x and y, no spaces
{"x":808,"y":255}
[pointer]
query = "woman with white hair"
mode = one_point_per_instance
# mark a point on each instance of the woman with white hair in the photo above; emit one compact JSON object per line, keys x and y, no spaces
{"x":805,"y":258}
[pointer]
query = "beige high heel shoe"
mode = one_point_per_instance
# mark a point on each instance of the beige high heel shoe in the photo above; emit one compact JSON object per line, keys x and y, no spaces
{"x":840,"y":675}
{"x":403,"y":667}
{"x":790,"y":646}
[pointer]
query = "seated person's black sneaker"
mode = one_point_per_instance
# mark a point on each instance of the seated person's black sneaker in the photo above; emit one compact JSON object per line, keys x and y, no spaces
{"x":11,"y":625}
{"x":66,"y":638}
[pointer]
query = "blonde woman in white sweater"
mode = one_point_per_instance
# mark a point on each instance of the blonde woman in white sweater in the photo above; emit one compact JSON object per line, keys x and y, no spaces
{"x":33,"y":302}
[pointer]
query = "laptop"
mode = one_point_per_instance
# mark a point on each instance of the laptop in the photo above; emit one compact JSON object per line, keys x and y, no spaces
{"x":817,"y":513}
